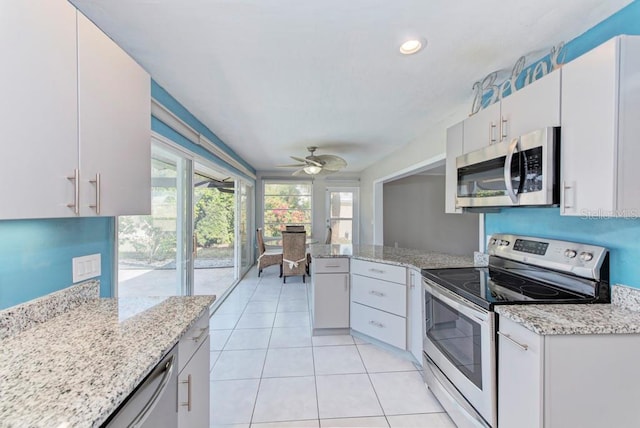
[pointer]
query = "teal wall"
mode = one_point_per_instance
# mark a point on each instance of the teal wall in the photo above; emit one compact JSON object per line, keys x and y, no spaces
{"x":35,"y":255}
{"x":621,"y":236}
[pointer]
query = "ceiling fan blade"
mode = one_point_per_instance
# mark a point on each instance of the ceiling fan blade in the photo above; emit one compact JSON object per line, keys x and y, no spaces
{"x":332,"y":162}
{"x":292,"y":165}
{"x":295,"y":158}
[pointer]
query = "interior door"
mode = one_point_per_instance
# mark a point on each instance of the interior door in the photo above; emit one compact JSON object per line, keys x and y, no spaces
{"x":342,"y":214}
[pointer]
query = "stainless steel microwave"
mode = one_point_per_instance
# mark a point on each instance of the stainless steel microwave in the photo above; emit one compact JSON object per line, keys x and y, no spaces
{"x":522,"y":172}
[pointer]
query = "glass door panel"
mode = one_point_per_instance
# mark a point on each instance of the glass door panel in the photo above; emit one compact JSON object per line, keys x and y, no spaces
{"x":342,"y":215}
{"x":214,"y":207}
{"x":245,"y":226}
{"x":152,"y":248}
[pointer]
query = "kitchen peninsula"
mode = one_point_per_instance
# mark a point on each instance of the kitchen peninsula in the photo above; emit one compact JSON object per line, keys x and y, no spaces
{"x":75,"y":366}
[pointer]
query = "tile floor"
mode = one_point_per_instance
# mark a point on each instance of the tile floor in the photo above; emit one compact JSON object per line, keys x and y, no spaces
{"x":268,"y":371}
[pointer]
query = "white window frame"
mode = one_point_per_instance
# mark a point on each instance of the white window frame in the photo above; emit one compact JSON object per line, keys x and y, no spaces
{"x":266,"y":181}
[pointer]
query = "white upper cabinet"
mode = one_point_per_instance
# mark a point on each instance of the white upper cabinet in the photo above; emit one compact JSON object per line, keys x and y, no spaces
{"x":115,"y":122}
{"x":38,"y":108}
{"x":535,"y":106}
{"x":482,"y":129}
{"x":73,"y":105}
{"x":454,"y":149}
{"x":600,"y":129}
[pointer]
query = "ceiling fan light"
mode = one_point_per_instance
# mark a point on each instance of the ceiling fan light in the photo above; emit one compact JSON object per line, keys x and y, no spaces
{"x":411,"y":46}
{"x":312,"y":169}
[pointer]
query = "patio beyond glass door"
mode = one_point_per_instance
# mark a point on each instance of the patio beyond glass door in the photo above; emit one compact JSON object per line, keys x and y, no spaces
{"x":214,"y":237}
{"x":152,"y":249}
{"x":342,"y":214}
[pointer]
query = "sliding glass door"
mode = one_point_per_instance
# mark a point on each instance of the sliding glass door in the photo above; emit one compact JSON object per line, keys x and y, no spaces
{"x":198,"y":238}
{"x":214,"y":218}
{"x":152,"y":249}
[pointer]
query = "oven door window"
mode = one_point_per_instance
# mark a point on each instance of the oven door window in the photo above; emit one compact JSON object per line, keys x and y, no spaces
{"x":457,"y":336}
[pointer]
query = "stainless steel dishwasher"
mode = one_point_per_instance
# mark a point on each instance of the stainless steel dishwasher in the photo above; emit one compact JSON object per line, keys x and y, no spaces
{"x":153,"y":404}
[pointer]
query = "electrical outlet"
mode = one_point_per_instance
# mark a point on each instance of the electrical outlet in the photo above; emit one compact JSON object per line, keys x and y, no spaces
{"x":86,"y":267}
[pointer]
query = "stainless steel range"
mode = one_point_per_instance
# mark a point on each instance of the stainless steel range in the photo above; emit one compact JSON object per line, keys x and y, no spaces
{"x":460,"y":326}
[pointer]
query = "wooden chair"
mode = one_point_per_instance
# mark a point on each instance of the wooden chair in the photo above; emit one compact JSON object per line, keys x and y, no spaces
{"x":294,"y":254}
{"x":267,"y":258}
{"x":294,"y":228}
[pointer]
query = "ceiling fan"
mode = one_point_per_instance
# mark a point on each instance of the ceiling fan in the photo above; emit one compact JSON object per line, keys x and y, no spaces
{"x":316,"y":164}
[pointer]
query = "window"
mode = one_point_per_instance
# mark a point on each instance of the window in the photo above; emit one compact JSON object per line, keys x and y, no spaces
{"x":286,"y":203}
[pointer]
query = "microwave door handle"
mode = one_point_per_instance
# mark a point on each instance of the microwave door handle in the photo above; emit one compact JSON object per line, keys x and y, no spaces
{"x":507,"y":170}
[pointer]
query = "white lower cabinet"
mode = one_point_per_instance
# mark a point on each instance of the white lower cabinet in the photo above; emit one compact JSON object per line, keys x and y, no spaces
{"x":415,"y":315}
{"x":193,"y":376}
{"x":380,"y":325}
{"x":379,"y":301}
{"x":330,"y":293}
{"x":557,"y":381}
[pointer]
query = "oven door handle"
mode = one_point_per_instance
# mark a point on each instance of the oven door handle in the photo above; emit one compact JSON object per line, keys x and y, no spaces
{"x":507,"y":170}
{"x":457,"y":302}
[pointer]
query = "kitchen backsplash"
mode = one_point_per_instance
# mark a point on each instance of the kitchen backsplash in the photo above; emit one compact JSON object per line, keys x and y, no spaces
{"x":620,"y":235}
{"x":21,"y":317}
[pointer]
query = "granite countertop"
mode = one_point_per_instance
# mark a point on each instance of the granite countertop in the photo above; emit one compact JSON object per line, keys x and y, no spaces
{"x":397,"y":256}
{"x":77,"y":367}
{"x":573,"y":319}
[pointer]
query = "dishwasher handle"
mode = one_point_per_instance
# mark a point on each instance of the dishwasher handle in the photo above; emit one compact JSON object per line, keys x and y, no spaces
{"x":146,"y":410}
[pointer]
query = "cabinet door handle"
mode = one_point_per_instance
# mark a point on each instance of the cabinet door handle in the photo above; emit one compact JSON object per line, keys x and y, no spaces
{"x":96,"y":181}
{"x":492,"y":128}
{"x":413,"y":281}
{"x":346,"y":283}
{"x":376,"y":293}
{"x":503,"y":129}
{"x":188,"y":403}
{"x":510,"y":339}
{"x":76,"y":191}
{"x":376,"y":323}
{"x":203,"y":332}
{"x":565,"y":187}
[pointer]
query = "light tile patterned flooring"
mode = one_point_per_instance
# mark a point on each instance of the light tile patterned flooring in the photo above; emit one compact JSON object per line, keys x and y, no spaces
{"x":268,"y":371}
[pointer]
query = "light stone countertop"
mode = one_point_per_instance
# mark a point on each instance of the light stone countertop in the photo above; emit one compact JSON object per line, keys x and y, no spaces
{"x":573,"y":319}
{"x":397,"y":256}
{"x":76,"y":368}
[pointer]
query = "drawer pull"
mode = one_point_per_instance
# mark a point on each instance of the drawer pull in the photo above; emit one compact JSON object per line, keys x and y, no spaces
{"x":203,"y":332}
{"x":188,"y":403}
{"x":376,"y":293}
{"x":510,"y":339}
{"x":332,"y":266}
{"x":376,"y":323}
{"x":380,"y":271}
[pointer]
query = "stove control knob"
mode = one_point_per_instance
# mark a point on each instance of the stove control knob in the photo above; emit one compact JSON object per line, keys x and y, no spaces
{"x":493,"y":241}
{"x":586,"y":257}
{"x":570,"y":254}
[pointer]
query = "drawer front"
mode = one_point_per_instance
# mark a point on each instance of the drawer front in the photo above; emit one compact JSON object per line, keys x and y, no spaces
{"x":521,"y":335}
{"x":384,"y":295}
{"x":383,"y":326}
{"x":191,"y":341}
{"x":330,"y":265}
{"x":381,"y":271}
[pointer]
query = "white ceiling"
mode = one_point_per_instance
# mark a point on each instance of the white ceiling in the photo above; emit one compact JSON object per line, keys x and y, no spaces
{"x":271,"y":77}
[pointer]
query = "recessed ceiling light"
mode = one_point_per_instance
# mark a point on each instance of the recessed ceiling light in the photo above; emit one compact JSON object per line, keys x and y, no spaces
{"x":411,"y":46}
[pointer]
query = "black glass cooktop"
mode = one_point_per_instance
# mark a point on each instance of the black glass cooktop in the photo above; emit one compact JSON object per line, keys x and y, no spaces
{"x":488,"y":287}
